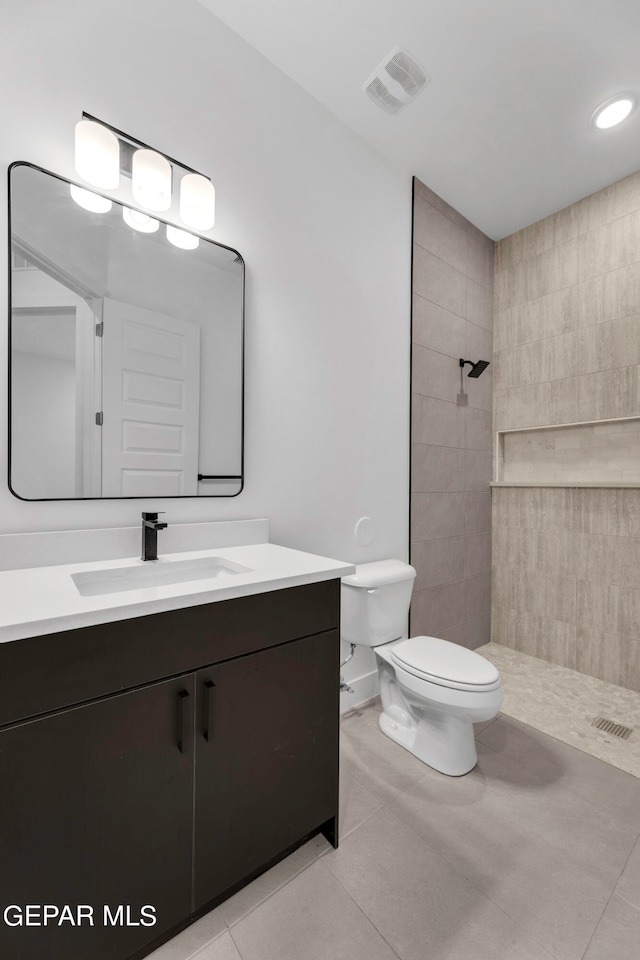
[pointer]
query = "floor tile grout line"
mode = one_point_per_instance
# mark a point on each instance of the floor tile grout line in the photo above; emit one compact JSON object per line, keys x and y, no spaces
{"x":233,"y":940}
{"x":286,"y":883}
{"x":604,"y":910}
{"x":573,"y":793}
{"x":360,"y":909}
{"x":560,"y":854}
{"x":455,"y":870}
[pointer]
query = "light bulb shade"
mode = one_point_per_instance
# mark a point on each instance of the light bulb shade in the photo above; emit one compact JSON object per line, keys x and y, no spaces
{"x":89,"y":200}
{"x":139,"y":221}
{"x":182,"y":239}
{"x":97,"y":155}
{"x":197,"y":201}
{"x":151,"y":180}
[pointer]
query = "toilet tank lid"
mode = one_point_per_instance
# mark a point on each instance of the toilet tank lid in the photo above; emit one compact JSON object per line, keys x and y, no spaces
{"x":380,"y":573}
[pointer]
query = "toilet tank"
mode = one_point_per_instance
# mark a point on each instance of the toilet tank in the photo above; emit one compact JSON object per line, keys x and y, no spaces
{"x":375,"y":602}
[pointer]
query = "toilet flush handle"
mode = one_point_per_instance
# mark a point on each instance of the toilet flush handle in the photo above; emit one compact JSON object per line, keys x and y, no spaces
{"x":373,"y":590}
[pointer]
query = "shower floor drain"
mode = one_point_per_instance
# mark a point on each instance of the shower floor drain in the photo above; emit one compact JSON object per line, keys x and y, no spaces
{"x":615,"y":729}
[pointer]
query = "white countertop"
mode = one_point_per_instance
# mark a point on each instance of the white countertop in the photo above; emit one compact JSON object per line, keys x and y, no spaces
{"x":41,"y":600}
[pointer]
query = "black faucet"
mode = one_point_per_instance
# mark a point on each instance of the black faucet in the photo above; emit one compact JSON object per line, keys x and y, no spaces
{"x":150,"y":527}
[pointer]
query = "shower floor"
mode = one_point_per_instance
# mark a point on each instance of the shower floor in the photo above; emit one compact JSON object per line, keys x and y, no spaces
{"x":563,"y":704}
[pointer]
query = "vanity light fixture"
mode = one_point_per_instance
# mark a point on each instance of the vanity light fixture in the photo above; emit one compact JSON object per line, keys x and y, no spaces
{"x":614,"y":111}
{"x":197,"y":201}
{"x":139,"y":221}
{"x":97,"y":155}
{"x":151,"y":180}
{"x":103,"y":153}
{"x":89,"y":200}
{"x":182,"y":239}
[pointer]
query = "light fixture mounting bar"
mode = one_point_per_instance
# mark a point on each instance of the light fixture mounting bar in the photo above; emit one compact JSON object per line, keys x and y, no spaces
{"x":134,"y":142}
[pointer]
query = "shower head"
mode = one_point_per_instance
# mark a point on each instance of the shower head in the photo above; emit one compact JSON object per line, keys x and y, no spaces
{"x":476,"y":368}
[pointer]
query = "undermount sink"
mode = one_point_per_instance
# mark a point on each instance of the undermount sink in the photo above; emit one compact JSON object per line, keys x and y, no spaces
{"x":154,"y":573}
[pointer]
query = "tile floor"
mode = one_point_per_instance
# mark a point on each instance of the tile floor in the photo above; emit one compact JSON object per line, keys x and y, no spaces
{"x":563,"y":703}
{"x":534,"y":855}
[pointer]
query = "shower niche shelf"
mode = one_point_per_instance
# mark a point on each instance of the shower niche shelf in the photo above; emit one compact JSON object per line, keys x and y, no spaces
{"x":596,"y":453}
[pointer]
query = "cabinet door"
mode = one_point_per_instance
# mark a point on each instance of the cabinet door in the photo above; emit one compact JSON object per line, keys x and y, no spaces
{"x":95,"y":810}
{"x":266,"y":758}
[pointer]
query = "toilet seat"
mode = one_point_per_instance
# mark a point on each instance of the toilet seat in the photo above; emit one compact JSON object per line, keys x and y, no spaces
{"x":445,"y":664}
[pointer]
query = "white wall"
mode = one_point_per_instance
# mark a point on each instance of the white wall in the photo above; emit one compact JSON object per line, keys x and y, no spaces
{"x":322,"y":221}
{"x":44,"y":393}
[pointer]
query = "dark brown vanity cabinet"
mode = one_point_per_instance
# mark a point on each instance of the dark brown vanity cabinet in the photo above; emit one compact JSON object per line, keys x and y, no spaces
{"x":265,"y":746}
{"x":96,"y":811}
{"x":170,"y":790}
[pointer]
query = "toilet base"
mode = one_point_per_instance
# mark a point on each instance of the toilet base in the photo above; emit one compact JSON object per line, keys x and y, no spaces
{"x":444,"y":742}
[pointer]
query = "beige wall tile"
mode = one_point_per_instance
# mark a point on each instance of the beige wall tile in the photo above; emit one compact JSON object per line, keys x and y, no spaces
{"x":471,"y":634}
{"x":546,"y":550}
{"x":503,"y":625}
{"x":553,"y":270}
{"x":618,"y":200}
{"x":478,"y":390}
{"x":547,"y":638}
{"x":478,"y":434}
{"x":555,"y":358}
{"x":480,"y":258}
{"x":477,"y":512}
{"x":609,"y":394}
{"x":435,"y":515}
{"x":477,"y":554}
{"x":437,"y":469}
{"x":609,"y":512}
{"x":569,"y":222}
{"x":609,"y":345}
{"x":435,"y":232}
{"x":437,"y":561}
{"x":608,"y":608}
{"x":600,"y":655}
{"x":479,"y":305}
{"x":478,"y":343}
{"x":435,"y":375}
{"x":535,"y":593}
{"x":436,"y":608}
{"x":538,"y":276}
{"x":477,"y":595}
{"x":437,"y":328}
{"x":477,"y":469}
{"x":630,"y":672}
{"x":439,"y":282}
{"x":452,"y":318}
{"x":538,"y":238}
{"x":422,"y":190}
{"x":609,"y":247}
{"x":437,"y":422}
{"x":508,"y":251}
{"x":537,"y":404}
{"x":616,"y":294}
{"x":548,"y":316}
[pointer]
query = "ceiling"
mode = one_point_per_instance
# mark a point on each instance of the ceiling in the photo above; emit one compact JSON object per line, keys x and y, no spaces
{"x":502,"y":131}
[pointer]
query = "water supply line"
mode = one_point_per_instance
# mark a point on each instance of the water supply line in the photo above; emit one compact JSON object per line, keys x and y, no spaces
{"x":344,"y":686}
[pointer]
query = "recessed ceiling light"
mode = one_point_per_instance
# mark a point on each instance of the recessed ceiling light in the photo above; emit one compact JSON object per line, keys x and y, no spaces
{"x":614,"y":110}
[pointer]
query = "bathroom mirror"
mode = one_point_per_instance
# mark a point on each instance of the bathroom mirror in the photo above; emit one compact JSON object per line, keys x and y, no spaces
{"x":126,"y":352}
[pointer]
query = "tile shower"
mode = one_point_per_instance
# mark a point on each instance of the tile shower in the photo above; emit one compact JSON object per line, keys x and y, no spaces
{"x":566,"y":570}
{"x":451,"y":424}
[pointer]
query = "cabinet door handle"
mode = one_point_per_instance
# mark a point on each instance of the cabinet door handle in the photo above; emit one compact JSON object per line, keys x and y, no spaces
{"x":208,"y":709}
{"x":184,"y":721}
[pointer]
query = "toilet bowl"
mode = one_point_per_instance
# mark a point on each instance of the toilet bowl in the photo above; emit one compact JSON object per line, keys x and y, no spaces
{"x":432,"y":690}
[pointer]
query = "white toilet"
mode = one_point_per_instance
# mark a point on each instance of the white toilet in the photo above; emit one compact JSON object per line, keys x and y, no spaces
{"x":432,"y":691}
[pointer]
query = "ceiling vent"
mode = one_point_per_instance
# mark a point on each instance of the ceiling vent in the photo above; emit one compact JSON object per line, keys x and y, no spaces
{"x":396,"y":81}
